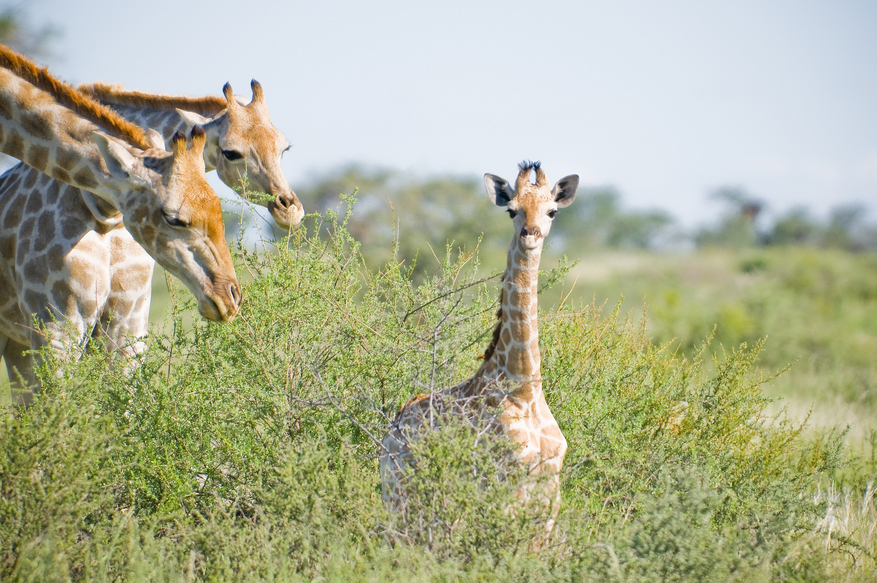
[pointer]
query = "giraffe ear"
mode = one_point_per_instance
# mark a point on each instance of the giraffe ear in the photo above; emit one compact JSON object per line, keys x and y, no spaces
{"x":155,"y":139}
{"x":498,"y":189}
{"x":564,"y":191}
{"x":120,"y":162}
{"x":192,"y":119}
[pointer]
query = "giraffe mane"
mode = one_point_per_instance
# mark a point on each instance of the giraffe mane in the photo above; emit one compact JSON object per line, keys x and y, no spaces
{"x":65,"y":94}
{"x":118,"y":95}
{"x":491,"y":348}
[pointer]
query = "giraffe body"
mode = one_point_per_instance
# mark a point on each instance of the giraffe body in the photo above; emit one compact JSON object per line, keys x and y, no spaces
{"x":60,"y":250}
{"x":510,"y":376}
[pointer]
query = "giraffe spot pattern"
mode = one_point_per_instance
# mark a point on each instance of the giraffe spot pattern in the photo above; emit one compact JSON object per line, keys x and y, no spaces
{"x":147,"y":233}
{"x":7,"y":246}
{"x":66,"y":159}
{"x":85,"y":178}
{"x":7,"y":109}
{"x":37,"y":126}
{"x":36,"y":270}
{"x":60,"y":174}
{"x":33,"y":299}
{"x":27,"y":227}
{"x":34,"y":203}
{"x":55,"y":258}
{"x":15,"y":145}
{"x":38,"y":157}
{"x":45,"y":232}
{"x":13,"y":216}
{"x":52,"y":190}
{"x":71,"y":227}
{"x":30,"y":179}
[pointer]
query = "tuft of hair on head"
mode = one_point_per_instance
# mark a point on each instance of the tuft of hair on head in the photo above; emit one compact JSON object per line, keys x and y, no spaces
{"x":81,"y":104}
{"x":525,"y":168}
{"x":527,"y":165}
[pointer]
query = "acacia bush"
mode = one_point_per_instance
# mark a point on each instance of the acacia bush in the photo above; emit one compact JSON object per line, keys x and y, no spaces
{"x":248,"y":451}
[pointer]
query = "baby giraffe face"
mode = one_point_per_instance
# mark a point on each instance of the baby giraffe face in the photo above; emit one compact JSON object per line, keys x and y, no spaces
{"x":531,"y":205}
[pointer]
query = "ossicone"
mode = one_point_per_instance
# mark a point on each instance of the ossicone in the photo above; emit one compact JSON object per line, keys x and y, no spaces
{"x":179,"y":142}
{"x":258,"y":94}
{"x":199,"y":138}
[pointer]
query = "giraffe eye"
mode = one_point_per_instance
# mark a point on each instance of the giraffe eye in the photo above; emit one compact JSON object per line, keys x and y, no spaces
{"x":512,"y":213}
{"x":551,"y":213}
{"x":174,"y":220}
{"x":232,"y":155}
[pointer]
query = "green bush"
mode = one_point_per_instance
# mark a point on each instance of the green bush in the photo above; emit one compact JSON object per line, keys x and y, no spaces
{"x":248,"y":451}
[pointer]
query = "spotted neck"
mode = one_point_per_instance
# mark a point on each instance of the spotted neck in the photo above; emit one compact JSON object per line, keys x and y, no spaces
{"x":514,"y":353}
{"x":51,"y":138}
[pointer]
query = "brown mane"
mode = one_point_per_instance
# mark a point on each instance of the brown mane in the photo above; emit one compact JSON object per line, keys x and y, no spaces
{"x":117,"y":95}
{"x":491,"y":348}
{"x":66,"y":95}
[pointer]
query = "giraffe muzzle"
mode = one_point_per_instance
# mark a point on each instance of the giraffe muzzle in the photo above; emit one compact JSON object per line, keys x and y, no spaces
{"x":531,"y":232}
{"x":286,"y":209}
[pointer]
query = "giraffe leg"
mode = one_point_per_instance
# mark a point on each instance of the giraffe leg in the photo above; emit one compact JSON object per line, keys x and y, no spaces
{"x":125,"y":320}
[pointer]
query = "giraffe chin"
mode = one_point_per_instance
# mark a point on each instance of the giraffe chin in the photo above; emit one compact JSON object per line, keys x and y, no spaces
{"x":210,"y":310}
{"x":531,"y":243}
{"x":286,"y":216}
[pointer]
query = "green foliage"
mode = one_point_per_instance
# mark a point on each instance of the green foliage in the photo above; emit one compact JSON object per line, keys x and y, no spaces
{"x":248,"y":451}
{"x":816,"y":308}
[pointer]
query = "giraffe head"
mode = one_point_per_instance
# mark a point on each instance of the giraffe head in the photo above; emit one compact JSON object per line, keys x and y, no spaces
{"x":175,"y":215}
{"x":250,"y":145}
{"x":531,"y":205}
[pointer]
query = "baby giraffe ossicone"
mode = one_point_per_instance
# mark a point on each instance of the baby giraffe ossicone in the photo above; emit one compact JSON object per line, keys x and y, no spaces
{"x":512,"y":359}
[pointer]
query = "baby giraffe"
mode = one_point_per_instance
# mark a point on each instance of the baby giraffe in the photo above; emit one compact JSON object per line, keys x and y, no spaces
{"x":512,"y":359}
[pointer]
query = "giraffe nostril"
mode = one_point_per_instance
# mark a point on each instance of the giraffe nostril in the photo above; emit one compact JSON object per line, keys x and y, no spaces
{"x":235,"y":293}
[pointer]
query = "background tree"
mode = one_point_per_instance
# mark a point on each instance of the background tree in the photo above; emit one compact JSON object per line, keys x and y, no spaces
{"x":17,"y":31}
{"x":737,"y":226}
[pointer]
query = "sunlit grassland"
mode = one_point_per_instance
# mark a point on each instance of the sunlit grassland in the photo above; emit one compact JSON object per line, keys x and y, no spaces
{"x":817,"y":310}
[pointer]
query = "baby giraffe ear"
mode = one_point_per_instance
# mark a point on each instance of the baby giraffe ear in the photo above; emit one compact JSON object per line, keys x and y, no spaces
{"x":498,"y":189}
{"x":564,"y":191}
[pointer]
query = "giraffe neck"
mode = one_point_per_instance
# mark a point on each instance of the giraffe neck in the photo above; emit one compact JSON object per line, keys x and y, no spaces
{"x":515,"y":356}
{"x":49,"y":137}
{"x":167,"y":122}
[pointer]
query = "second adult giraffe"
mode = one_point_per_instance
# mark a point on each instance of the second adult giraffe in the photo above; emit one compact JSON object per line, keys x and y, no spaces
{"x":242,"y":142}
{"x":512,"y":359}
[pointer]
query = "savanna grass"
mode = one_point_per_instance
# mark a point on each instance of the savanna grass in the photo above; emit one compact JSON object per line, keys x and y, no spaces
{"x":249,"y":451}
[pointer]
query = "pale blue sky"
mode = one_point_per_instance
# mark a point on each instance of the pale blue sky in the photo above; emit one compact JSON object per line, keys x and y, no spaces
{"x":665,"y":100}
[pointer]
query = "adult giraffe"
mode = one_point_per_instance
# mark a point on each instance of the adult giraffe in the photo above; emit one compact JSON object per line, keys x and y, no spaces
{"x":241,"y":139}
{"x":57,"y":249}
{"x":512,"y":359}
